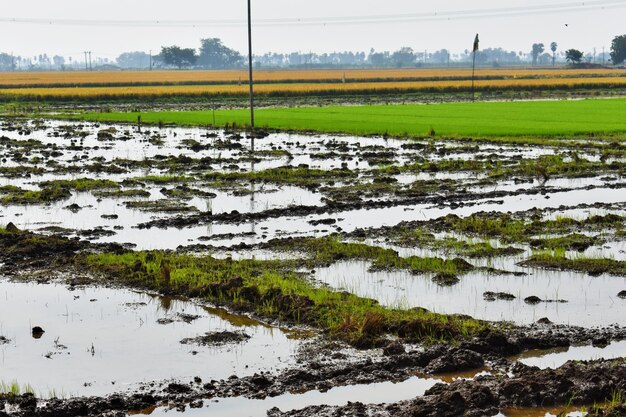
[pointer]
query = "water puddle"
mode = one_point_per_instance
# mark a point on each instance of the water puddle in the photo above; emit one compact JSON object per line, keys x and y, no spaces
{"x":101,"y":340}
{"x":591,"y":301}
{"x":555,"y":358}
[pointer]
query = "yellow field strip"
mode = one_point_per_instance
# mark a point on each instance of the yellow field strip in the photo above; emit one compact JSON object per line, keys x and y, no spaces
{"x":155,"y":91}
{"x":8,"y":79}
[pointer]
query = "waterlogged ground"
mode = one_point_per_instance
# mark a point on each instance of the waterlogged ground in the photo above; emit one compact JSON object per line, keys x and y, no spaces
{"x":513,"y":230}
{"x":122,"y":338}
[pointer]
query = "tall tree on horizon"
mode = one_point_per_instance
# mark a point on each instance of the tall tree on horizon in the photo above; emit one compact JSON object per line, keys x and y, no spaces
{"x":553,"y":47}
{"x":618,"y":49}
{"x":537,"y":50}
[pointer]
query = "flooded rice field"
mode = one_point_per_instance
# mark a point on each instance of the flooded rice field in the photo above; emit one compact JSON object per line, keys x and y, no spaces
{"x":172,"y":271}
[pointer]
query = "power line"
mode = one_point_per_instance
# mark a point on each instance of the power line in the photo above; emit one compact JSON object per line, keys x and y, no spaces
{"x":342,"y":20}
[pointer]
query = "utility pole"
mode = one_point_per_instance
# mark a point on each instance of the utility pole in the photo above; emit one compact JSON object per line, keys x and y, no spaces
{"x":86,"y":62}
{"x":474,"y":50}
{"x":90,"y":67}
{"x":250,"y":71}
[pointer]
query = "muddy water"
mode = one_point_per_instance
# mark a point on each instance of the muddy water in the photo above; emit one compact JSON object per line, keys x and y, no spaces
{"x":591,"y":301}
{"x":557,"y":357}
{"x":385,"y":392}
{"x":100,"y":340}
{"x":542,"y":412}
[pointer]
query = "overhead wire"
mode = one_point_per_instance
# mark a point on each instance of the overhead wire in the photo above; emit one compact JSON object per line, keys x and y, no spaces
{"x":339,"y":20}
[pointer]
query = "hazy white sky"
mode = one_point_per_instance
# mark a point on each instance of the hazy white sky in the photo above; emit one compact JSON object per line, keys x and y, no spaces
{"x":589,"y":26}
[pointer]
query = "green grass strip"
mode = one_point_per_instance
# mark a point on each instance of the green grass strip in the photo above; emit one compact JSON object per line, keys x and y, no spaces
{"x":569,"y":118}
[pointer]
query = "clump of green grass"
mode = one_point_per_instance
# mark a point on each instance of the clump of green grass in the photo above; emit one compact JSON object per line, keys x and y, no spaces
{"x":614,"y":407}
{"x":573,"y":241}
{"x":14,"y":389}
{"x":328,"y":250}
{"x":52,"y":191}
{"x":511,"y":229}
{"x":420,"y":265}
{"x":45,"y":195}
{"x":419,"y":237}
{"x":274,"y":290}
{"x":557,"y":259}
{"x":80,"y":184}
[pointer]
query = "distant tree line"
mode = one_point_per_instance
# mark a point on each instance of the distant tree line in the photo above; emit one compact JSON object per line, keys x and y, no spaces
{"x":213,"y":54}
{"x":9,"y":62}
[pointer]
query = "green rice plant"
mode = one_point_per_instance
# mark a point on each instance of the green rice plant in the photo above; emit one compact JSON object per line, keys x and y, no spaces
{"x":14,"y":389}
{"x":508,"y":121}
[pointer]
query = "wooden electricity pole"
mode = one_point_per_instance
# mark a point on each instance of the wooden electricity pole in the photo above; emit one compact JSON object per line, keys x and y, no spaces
{"x":250,"y":71}
{"x":474,"y":50}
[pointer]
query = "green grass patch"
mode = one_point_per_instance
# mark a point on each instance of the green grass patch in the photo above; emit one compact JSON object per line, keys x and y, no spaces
{"x":17,"y":195}
{"x":14,"y":389}
{"x":593,"y":266}
{"x":52,"y":191}
{"x":328,"y":250}
{"x":481,"y":119}
{"x":81,"y":184}
{"x":509,"y":229}
{"x":274,"y":290}
{"x":574,"y":241}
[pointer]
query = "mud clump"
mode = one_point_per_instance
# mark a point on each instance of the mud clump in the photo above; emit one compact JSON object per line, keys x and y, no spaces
{"x":216,"y":339}
{"x":37,"y":332}
{"x":445,"y":279}
{"x":322,"y":222}
{"x":454,"y":361}
{"x":74,"y":208}
{"x":394,"y":348}
{"x":21,"y":249}
{"x":178,"y":317}
{"x":11,"y":228}
{"x":493,"y":296}
{"x":4,"y":340}
{"x":532,"y":300}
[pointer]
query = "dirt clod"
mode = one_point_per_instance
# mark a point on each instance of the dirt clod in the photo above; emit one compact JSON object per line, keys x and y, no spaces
{"x":216,"y":338}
